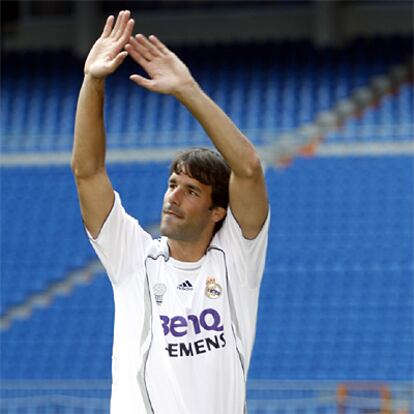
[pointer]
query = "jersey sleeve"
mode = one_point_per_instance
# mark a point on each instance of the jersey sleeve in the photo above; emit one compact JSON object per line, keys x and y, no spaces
{"x":247,"y":256}
{"x":121,"y":243}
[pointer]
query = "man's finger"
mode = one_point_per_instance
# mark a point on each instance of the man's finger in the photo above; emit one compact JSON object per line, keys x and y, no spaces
{"x":142,"y":50}
{"x":122,"y":24}
{"x":117,"y":23}
{"x":120,"y":57}
{"x":141,"y":81}
{"x":108,"y":26}
{"x":159,"y":45}
{"x":136,"y":55}
{"x":127,"y":32}
{"x":142,"y":40}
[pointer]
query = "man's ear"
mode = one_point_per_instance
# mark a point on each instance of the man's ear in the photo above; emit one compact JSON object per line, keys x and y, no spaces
{"x":218,"y":213}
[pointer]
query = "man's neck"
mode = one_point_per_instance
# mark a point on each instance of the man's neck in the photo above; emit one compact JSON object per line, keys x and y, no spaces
{"x":185,"y":251}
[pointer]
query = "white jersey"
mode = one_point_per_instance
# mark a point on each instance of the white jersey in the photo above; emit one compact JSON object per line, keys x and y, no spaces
{"x":183,"y":332}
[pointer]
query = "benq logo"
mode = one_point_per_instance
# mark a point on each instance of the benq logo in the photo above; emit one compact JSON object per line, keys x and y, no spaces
{"x":209,"y":320}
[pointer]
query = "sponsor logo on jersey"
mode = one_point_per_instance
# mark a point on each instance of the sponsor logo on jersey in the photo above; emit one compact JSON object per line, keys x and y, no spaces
{"x":185,"y":286}
{"x":213,"y":289}
{"x":209,"y":320}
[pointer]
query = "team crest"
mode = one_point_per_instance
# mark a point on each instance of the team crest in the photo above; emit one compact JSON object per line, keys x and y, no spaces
{"x":213,"y":289}
{"x":159,"y":291}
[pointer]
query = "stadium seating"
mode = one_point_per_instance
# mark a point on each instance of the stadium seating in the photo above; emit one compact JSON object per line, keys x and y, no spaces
{"x":46,"y":238}
{"x":337,"y":295}
{"x":31,"y":258}
{"x":391,"y":121}
{"x":277,"y":88}
{"x":71,"y":339}
{"x":338,"y":291}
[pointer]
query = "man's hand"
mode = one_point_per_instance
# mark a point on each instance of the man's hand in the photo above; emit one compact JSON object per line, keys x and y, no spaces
{"x":168,"y":73}
{"x":106,"y":54}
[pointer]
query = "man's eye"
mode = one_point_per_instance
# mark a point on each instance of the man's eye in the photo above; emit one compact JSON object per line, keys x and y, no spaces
{"x":193,"y":193}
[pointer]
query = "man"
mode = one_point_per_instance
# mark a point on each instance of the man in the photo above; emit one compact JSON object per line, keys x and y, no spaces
{"x":186,"y":304}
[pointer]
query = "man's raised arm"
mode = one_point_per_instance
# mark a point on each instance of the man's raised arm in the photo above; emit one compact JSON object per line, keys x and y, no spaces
{"x":95,"y":191}
{"x":248,"y":195}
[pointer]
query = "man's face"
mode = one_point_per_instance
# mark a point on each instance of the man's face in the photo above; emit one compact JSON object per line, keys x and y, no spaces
{"x":186,"y":212}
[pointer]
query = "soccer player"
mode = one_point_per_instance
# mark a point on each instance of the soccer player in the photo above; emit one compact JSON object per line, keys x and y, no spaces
{"x":185,"y":304}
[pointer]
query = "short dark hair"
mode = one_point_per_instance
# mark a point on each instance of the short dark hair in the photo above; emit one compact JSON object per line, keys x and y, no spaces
{"x":208,"y":167}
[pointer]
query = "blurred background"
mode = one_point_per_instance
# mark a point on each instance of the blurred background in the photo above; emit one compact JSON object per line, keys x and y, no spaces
{"x":324,"y":89}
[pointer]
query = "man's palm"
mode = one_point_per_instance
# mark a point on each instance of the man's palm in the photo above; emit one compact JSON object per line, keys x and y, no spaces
{"x":106,"y":54}
{"x":101,"y":59}
{"x":166,"y":71}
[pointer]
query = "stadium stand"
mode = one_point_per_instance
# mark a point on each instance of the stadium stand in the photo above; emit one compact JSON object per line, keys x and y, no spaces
{"x":337,"y":278}
{"x":47,"y":239}
{"x":337,"y":296}
{"x":391,"y":120}
{"x":282,"y":86}
{"x":31,"y":258}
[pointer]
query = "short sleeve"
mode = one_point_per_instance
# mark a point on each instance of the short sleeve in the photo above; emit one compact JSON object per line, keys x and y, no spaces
{"x":121,"y":243}
{"x":247,"y":256}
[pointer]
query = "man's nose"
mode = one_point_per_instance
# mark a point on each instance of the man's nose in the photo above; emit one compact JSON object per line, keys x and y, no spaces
{"x":175,"y":196}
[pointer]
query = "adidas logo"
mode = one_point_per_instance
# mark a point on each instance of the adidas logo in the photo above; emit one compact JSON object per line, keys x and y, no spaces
{"x":185,"y":286}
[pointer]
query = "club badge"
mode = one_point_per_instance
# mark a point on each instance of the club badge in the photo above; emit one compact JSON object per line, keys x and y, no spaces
{"x":159,"y":291}
{"x":213,"y":289}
